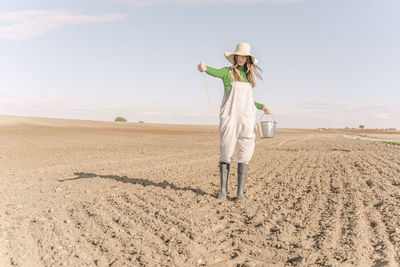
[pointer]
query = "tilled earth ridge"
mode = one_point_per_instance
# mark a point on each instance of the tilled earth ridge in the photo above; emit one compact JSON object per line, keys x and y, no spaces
{"x":122,"y":196}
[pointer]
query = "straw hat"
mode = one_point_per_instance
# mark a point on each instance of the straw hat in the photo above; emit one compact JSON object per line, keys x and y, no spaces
{"x":242,"y":49}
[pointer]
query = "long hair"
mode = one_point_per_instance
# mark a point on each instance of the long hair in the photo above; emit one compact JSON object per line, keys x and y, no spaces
{"x":250,"y":69}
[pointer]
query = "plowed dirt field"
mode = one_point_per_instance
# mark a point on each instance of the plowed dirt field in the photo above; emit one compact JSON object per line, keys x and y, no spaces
{"x":86,"y":193}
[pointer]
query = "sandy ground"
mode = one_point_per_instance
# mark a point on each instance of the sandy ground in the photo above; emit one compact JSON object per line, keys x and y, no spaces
{"x":85,"y":193}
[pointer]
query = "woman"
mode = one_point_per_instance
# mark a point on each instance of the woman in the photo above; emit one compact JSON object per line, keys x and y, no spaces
{"x":237,"y":114}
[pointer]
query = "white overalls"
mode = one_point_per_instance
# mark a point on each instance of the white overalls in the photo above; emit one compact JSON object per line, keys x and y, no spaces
{"x":237,"y":118}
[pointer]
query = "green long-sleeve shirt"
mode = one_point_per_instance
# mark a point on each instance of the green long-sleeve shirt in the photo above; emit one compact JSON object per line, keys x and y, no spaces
{"x":227,"y":80}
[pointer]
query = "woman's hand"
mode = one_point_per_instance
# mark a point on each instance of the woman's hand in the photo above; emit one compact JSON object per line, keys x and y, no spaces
{"x":266,"y":110}
{"x":202,"y":67}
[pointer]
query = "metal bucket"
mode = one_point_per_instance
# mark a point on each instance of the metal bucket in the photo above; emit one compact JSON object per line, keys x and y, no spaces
{"x":267,"y":128}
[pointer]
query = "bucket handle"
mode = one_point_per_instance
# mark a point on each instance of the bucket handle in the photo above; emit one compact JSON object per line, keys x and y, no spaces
{"x":262,"y":115}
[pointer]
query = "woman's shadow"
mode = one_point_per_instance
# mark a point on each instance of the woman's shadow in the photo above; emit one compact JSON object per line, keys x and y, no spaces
{"x":143,"y":182}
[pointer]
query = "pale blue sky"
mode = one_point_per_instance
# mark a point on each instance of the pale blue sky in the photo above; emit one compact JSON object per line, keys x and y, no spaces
{"x":325,"y":63}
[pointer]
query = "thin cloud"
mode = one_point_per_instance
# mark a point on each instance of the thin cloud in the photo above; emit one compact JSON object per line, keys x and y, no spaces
{"x":200,"y":2}
{"x":26,"y":24}
{"x":332,"y":106}
{"x":338,"y":114}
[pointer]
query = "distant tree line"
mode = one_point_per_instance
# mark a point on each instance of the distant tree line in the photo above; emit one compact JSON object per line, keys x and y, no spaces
{"x":124,"y":120}
{"x":120,"y":119}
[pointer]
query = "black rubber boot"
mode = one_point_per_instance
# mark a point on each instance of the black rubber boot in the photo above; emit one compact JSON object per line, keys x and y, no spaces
{"x":242,"y":174}
{"x":224,"y":173}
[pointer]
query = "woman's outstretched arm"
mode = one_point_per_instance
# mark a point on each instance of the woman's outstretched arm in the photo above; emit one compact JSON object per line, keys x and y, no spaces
{"x":219,"y":73}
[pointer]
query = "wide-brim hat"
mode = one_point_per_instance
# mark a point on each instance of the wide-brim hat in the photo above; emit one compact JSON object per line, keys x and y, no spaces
{"x":242,"y":49}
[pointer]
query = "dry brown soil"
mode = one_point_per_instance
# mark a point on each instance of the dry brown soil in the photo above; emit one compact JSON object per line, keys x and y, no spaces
{"x":87,"y":193}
